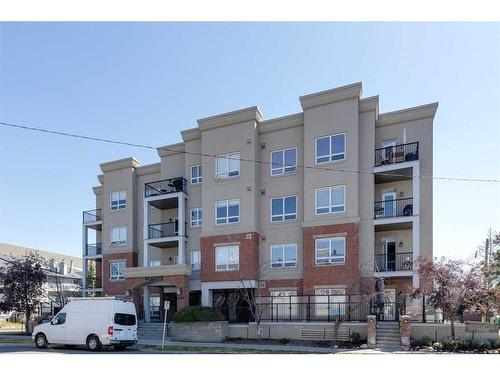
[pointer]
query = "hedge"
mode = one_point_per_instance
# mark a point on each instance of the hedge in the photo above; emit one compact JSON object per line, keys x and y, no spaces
{"x":197,"y":314}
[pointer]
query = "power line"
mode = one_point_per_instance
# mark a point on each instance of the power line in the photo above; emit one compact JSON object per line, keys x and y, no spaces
{"x":315,"y":167}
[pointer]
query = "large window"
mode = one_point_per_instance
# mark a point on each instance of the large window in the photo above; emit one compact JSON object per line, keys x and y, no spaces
{"x":196,"y":260}
{"x":227,"y":258}
{"x":227,"y":212}
{"x":118,"y":236}
{"x":284,"y":161}
{"x":196,"y":217}
{"x":118,"y":200}
{"x":284,"y":255}
{"x":227,"y":165}
{"x":330,"y":200}
{"x":330,"y":250}
{"x":116,"y":270}
{"x":196,"y":177}
{"x":284,"y":209}
{"x":330,"y":148}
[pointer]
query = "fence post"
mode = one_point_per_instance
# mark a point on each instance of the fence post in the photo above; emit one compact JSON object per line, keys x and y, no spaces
{"x":423,"y":309}
{"x":308,"y":309}
{"x":290,"y":308}
{"x":328,"y":307}
{"x":272,"y":308}
{"x":349,"y":308}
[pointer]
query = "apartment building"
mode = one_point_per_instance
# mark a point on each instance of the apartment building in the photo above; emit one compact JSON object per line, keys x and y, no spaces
{"x":314,"y":203}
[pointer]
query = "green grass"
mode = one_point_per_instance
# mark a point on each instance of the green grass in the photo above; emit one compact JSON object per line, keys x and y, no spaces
{"x":15,"y":341}
{"x":5,"y":324}
{"x":216,"y":350}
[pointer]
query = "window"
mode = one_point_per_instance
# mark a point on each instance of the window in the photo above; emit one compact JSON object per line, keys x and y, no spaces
{"x":196,"y":260}
{"x":330,"y":200}
{"x":118,"y":200}
{"x":60,"y":319}
{"x":330,"y":302}
{"x":196,"y":217}
{"x":227,"y":212}
{"x":330,"y":148}
{"x":124,"y":319}
{"x":196,"y":177}
{"x":284,"y":208}
{"x":284,"y":255}
{"x":283,"y":161}
{"x":227,"y":165}
{"x":154,"y":263}
{"x":116,"y":270}
{"x":118,"y":236}
{"x":227,"y":258}
{"x":330,"y":250}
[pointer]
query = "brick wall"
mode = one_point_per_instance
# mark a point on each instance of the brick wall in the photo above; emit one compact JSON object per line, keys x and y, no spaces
{"x":403,"y":286}
{"x":115,"y":287}
{"x":249,"y":257}
{"x":345,"y":274}
{"x":292,"y":284}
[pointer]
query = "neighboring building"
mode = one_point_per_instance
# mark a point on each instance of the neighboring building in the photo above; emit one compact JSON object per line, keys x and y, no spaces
{"x":64,"y":272}
{"x":193,"y":227}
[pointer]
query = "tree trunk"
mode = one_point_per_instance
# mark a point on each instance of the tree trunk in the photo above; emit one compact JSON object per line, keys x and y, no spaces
{"x":336,"y":327}
{"x":27,"y":322}
{"x":452,"y":327}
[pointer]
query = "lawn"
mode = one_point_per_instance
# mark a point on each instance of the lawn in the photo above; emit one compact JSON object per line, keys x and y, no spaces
{"x":216,"y":350}
{"x":4,"y":324}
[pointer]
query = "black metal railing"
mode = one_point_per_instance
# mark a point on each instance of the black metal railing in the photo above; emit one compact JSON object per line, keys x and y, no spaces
{"x":93,"y":249}
{"x":170,"y":185}
{"x":160,"y":230}
{"x":387,"y":311}
{"x":396,"y":154}
{"x":93,"y":283}
{"x":393,"y":208}
{"x":92,"y":216}
{"x":393,"y":262}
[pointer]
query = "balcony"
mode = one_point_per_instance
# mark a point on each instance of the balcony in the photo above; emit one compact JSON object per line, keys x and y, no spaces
{"x":391,"y":208}
{"x":396,"y":154}
{"x":393,"y":262}
{"x":92,"y":216}
{"x":162,"y":234}
{"x":168,"y":186}
{"x":93,"y":283}
{"x":93,"y":249}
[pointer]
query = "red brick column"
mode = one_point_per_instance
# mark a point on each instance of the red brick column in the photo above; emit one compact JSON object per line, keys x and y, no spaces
{"x":371,"y":331}
{"x":404,"y":324}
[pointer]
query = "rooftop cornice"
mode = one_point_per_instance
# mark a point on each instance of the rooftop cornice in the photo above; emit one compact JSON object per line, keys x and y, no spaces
{"x":119,"y":164}
{"x":148,"y":169}
{"x":191,"y":134}
{"x":408,"y":114}
{"x":100,"y":178}
{"x":97,"y":189}
{"x":171,"y":149}
{"x":369,"y":104}
{"x":331,"y":96}
{"x":280,"y":123}
{"x":230,"y":118}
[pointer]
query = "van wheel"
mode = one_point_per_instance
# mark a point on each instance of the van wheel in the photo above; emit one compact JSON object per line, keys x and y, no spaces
{"x":41,"y":341}
{"x":93,"y":343}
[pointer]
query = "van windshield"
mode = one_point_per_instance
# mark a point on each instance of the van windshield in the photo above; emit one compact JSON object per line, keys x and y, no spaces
{"x":125,"y":319}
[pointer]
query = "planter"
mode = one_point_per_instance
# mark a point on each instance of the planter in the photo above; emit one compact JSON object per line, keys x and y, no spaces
{"x":200,"y":331}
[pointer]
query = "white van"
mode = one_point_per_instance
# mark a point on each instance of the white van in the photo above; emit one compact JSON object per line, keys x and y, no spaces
{"x":92,"y":322}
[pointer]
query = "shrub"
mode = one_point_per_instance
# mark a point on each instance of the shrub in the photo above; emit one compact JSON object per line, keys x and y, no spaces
{"x":426,"y":341}
{"x":197,"y":314}
{"x":284,"y":341}
{"x":355,"y":337}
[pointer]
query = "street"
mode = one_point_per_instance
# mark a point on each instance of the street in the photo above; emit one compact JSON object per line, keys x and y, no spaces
{"x":30,"y":348}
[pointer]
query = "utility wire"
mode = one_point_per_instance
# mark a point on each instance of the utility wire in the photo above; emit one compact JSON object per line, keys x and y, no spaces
{"x":315,"y":167}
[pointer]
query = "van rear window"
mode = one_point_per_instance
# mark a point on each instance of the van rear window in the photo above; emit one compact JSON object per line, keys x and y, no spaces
{"x":125,"y":319}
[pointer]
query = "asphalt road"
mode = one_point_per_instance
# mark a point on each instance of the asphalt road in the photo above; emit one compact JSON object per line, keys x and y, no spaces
{"x":29,"y":348}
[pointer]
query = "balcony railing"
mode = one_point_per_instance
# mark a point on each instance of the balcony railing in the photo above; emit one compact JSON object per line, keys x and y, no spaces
{"x":393,"y":262}
{"x":93,"y":283}
{"x":92,"y":216}
{"x":160,"y":230}
{"x":393,"y":208}
{"x":92,"y":249}
{"x":396,"y":154}
{"x":170,"y":185}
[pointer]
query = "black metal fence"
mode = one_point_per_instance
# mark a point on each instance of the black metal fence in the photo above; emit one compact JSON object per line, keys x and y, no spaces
{"x":92,"y":216}
{"x":170,"y":185}
{"x":93,"y":249}
{"x":393,"y":262}
{"x":93,"y":283}
{"x":393,"y":208}
{"x":396,"y":154}
{"x":160,"y":230}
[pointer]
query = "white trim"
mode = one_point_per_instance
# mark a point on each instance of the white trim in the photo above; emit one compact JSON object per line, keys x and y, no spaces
{"x":121,"y":276}
{"x":199,"y":179}
{"x":227,"y":207}
{"x":331,"y":154}
{"x":283,"y":220}
{"x":199,"y":219}
{"x":118,"y":208}
{"x":227,"y":156}
{"x":283,"y":173}
{"x":330,"y":206}
{"x":119,"y":242}
{"x":283,"y":251}
{"x":227,"y":264}
{"x":330,"y":257}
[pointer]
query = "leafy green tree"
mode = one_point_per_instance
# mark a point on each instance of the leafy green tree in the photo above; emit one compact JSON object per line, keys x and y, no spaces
{"x":22,"y":279}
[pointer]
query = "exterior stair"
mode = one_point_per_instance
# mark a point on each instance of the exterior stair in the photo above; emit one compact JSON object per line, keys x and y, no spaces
{"x":151,"y":331}
{"x":388,"y":336}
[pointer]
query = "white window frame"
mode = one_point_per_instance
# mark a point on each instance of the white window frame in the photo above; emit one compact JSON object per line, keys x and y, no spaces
{"x":226,"y":266}
{"x":154,"y":263}
{"x":227,"y":218}
{"x":195,"y":266}
{"x":199,"y":178}
{"x":227,"y":173}
{"x":281,"y":247}
{"x":330,"y":205}
{"x":282,"y":170}
{"x":118,"y":206}
{"x":120,"y":276}
{"x":331,"y":154}
{"x":121,"y":229}
{"x":198,"y":221}
{"x":330,"y":259}
{"x":282,"y":216}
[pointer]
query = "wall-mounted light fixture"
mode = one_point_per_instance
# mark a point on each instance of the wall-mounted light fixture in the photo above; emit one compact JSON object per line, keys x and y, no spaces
{"x":400,"y":243}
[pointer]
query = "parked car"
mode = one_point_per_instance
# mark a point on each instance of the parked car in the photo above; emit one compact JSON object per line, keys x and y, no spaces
{"x":93,"y":322}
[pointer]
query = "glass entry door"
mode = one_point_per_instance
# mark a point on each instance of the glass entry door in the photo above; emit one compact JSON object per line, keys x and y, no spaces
{"x":389,"y":204}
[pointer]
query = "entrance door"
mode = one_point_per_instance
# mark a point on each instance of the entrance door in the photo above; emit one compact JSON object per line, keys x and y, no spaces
{"x":154,"y":307}
{"x":390,"y":251}
{"x":172,"y":298}
{"x":390,"y":307}
{"x":389,"y":200}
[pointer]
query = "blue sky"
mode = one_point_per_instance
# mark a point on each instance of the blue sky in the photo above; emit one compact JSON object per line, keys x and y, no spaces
{"x":144,"y":82}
